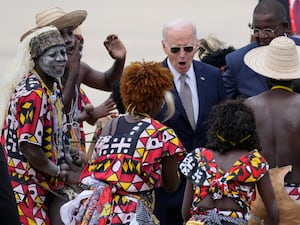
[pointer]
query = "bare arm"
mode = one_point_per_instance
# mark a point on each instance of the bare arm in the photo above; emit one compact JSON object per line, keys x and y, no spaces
{"x":104,"y":81}
{"x":71,"y":74}
{"x":170,"y":177}
{"x":267,"y":194}
{"x":38,"y":160}
{"x":187,"y":201}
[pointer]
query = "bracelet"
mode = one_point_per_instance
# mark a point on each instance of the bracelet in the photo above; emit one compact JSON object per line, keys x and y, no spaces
{"x":57,"y":171}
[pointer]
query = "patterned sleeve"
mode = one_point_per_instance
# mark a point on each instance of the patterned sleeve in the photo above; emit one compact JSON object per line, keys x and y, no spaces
{"x":172,"y":145}
{"x":191,"y":166}
{"x":255,"y":164}
{"x":30,"y":111}
{"x":162,"y":144}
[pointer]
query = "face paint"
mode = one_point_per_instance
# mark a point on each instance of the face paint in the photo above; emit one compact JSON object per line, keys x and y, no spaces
{"x":53,"y":61}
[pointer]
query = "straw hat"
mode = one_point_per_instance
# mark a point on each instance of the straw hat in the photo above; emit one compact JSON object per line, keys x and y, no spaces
{"x":57,"y":17}
{"x":279,"y":60}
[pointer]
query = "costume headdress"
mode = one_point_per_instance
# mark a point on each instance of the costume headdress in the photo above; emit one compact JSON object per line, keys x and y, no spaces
{"x":23,"y":62}
{"x":40,"y":43}
{"x":280,"y":60}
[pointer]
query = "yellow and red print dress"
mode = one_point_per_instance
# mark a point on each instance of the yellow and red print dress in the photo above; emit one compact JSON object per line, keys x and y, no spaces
{"x":238,"y":183}
{"x":130,"y":164}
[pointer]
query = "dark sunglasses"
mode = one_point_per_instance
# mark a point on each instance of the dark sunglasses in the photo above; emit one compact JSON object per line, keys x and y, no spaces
{"x":186,"y":49}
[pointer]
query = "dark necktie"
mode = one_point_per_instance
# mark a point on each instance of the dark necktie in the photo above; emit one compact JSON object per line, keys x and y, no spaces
{"x":186,"y":99}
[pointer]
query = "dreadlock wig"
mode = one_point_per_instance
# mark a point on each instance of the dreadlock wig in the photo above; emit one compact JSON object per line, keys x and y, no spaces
{"x":143,"y":87}
{"x":232,"y":126}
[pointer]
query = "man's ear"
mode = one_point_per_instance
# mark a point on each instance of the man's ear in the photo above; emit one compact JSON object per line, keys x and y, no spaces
{"x":163,"y":44}
{"x":286,"y":25}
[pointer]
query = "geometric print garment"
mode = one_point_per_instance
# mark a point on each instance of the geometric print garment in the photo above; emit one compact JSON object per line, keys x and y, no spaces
{"x":131,"y":163}
{"x":238,"y":183}
{"x":77,"y":134}
{"x":30,"y":119}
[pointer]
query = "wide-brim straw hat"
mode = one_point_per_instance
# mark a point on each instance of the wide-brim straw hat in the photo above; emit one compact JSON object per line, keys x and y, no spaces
{"x":59,"y":18}
{"x":279,"y":60}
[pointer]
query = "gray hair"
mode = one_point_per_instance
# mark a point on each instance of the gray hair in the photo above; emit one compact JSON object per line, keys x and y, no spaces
{"x":179,"y":22}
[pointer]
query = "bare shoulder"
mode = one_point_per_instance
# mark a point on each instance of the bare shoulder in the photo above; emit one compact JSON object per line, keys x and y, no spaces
{"x":90,"y":76}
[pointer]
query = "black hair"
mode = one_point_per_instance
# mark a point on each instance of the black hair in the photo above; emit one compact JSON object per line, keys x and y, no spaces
{"x":116,"y":96}
{"x":232,"y":126}
{"x":217,"y":58}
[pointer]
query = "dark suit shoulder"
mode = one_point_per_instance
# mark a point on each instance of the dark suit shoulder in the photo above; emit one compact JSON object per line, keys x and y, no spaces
{"x":296,"y":39}
{"x":239,"y":53}
{"x":206,"y":68}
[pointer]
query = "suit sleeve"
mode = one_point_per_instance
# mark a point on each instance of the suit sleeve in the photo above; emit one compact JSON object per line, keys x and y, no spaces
{"x":229,"y":79}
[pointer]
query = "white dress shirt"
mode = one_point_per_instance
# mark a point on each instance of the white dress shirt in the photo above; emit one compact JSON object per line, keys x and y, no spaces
{"x":191,"y":80}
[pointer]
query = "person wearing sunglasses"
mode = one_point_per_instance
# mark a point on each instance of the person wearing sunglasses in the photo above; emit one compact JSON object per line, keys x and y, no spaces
{"x":179,"y":42}
{"x":270,"y":20}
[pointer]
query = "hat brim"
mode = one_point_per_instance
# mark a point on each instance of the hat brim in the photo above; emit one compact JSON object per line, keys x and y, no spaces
{"x":255,"y":59}
{"x":72,"y":19}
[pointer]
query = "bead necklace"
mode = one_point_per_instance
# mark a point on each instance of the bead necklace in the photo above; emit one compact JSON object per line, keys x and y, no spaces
{"x":282,"y":87}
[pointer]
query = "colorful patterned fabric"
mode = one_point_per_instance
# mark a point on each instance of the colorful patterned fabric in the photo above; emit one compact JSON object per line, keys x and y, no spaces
{"x":293,"y":190}
{"x":77,"y":139}
{"x":238,"y":183}
{"x":218,"y":217}
{"x":98,"y":207}
{"x":130,"y":163}
{"x":32,"y":110}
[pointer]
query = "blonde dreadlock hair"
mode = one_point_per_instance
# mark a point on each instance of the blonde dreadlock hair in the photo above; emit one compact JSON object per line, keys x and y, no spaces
{"x":21,"y":66}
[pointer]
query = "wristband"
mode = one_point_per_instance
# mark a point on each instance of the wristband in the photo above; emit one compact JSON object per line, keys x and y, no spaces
{"x":57,"y":171}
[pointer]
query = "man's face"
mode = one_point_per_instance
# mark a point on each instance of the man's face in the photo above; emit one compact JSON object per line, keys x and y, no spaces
{"x":266,"y":27}
{"x":53,"y":61}
{"x":69,"y":37}
{"x":180,"y":47}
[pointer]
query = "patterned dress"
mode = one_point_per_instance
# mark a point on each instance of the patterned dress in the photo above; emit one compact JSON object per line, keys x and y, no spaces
{"x":35,"y":115}
{"x":124,"y":171}
{"x":238,"y":183}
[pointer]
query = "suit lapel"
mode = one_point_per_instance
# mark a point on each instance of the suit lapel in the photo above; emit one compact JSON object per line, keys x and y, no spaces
{"x":200,"y":80}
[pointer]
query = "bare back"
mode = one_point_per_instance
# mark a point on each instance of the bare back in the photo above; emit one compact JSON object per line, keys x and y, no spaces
{"x":277,"y":114}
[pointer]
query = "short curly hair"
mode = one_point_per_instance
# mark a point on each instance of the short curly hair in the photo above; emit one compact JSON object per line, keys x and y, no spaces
{"x":143,"y":86}
{"x":232,"y":126}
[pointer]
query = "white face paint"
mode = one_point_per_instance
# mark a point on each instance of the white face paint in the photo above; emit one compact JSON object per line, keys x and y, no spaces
{"x":53,"y":61}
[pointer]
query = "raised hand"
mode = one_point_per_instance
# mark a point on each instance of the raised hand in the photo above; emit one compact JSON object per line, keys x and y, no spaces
{"x":105,"y":109}
{"x":115,"y":47}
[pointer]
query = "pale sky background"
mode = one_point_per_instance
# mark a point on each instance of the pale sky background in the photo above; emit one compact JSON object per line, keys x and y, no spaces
{"x":138,"y":23}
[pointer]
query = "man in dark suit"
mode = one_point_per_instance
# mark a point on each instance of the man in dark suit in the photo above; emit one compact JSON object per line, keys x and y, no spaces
{"x":206,"y":89}
{"x":269,"y":21}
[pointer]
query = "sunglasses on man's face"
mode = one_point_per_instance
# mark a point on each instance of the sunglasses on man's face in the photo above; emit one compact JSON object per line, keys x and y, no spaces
{"x":187,"y":49}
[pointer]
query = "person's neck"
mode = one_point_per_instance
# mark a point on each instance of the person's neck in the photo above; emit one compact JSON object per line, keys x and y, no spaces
{"x":135,"y":117}
{"x":48,"y":81}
